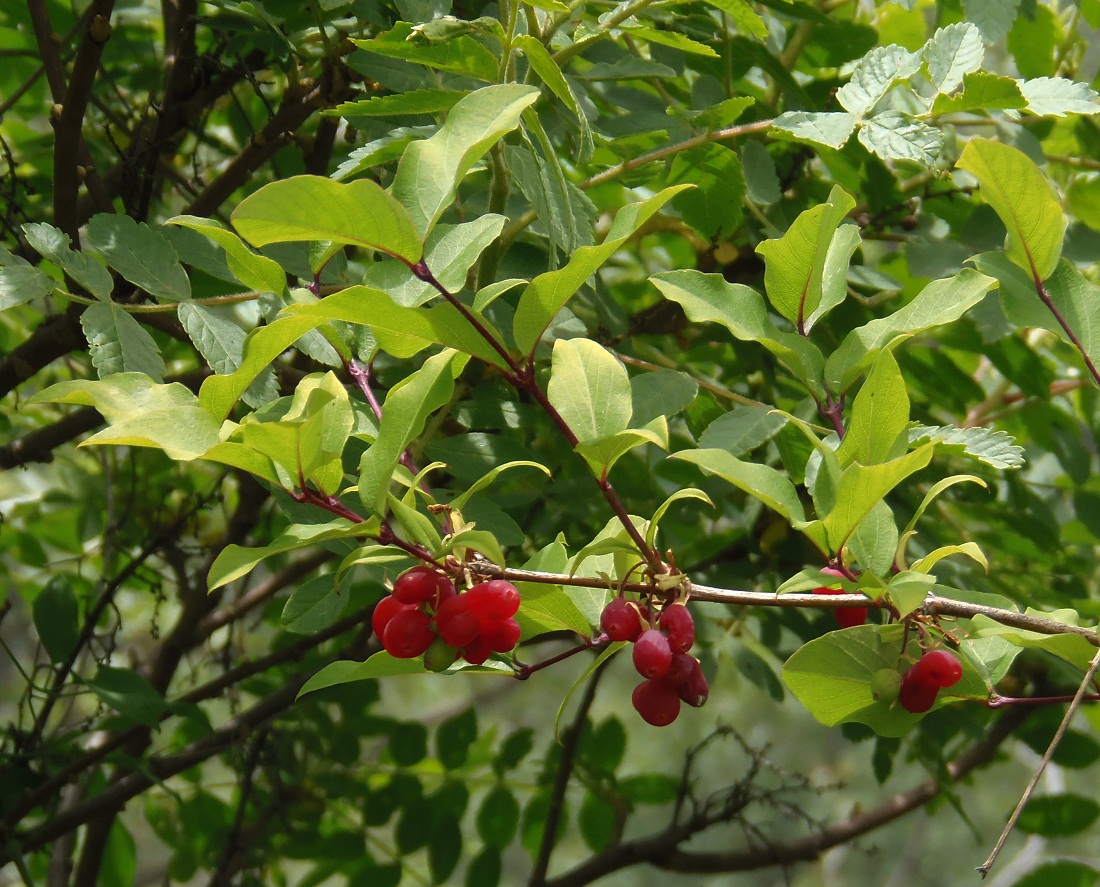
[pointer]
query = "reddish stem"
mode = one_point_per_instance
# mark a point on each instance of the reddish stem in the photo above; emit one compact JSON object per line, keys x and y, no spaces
{"x":523,"y":672}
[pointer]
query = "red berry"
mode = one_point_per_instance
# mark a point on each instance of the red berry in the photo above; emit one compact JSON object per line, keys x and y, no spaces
{"x":408,"y":634}
{"x":477,"y":651}
{"x":384,"y":611}
{"x":652,"y":655}
{"x":846,"y":617}
{"x":493,"y":601}
{"x":917,"y":694}
{"x":695,"y":690}
{"x":455,"y":622}
{"x":502,"y":635}
{"x":939,"y":667}
{"x":620,"y":620}
{"x":656,"y":702}
{"x":677,"y":623}
{"x":421,"y":584}
{"x":682,"y":667}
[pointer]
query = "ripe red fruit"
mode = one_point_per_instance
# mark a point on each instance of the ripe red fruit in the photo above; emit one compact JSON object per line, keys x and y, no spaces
{"x":493,"y":601}
{"x":939,"y":667}
{"x":694,"y":691}
{"x":455,"y":622}
{"x":652,"y":655}
{"x":477,"y":651}
{"x":656,"y":702}
{"x":677,"y":623}
{"x":421,"y":584}
{"x":682,"y":667}
{"x":408,"y":634}
{"x":916,"y":694}
{"x":846,"y":617}
{"x":502,"y":635}
{"x":620,"y":620}
{"x":384,"y":611}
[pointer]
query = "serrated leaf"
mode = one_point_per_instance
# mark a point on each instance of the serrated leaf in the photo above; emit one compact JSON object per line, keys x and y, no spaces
{"x":981,"y":91}
{"x":1056,"y":96}
{"x":313,"y":606}
{"x":543,"y":64}
{"x":743,"y":312}
{"x":1024,"y":199}
{"x":994,"y":18}
{"x":547,"y":293}
{"x":385,"y":148}
{"x":745,"y":18}
{"x":253,"y":270}
{"x":416,"y":101}
{"x":315,"y":208}
{"x":119,"y":344}
{"x":590,"y":389}
{"x":674,"y":39}
{"x":23,"y":283}
{"x":430,"y":170}
{"x":141,"y":254}
{"x":874,"y":75}
{"x":829,"y":129}
{"x":952,"y":53}
{"x":84,"y":269}
{"x":461,"y":55}
{"x":942,"y":301}
{"x":893,"y":135}
{"x":793,"y":277}
{"x":221,"y":343}
{"x":997,"y":449}
{"x":714,"y":206}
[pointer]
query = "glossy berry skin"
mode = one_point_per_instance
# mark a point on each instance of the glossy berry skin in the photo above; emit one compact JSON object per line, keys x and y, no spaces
{"x":439,"y":656}
{"x":620,"y":620}
{"x":683,"y":667}
{"x":652,"y":655}
{"x":455,"y":622}
{"x":477,"y":651}
{"x":493,"y":601}
{"x":384,"y":611}
{"x":408,"y":634}
{"x":694,"y":691}
{"x":916,"y":694}
{"x":846,"y":617}
{"x":676,"y":622}
{"x":657,"y":702}
{"x":420,"y":585}
{"x":502,"y":635}
{"x":939,"y":667}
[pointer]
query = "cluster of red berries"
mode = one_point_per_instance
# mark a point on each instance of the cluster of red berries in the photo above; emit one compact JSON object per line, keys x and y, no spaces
{"x":846,"y":617}
{"x":661,"y":657}
{"x":925,"y":678}
{"x":424,"y":614}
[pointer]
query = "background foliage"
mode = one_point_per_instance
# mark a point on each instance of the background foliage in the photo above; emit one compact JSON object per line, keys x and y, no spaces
{"x":792,"y":279}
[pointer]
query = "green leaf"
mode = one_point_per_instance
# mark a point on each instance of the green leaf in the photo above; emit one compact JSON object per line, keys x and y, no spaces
{"x":935,"y":491}
{"x":498,"y":818}
{"x":596,"y":820}
{"x":1056,"y":96}
{"x":997,"y":449}
{"x":660,"y":393}
{"x":129,"y":694}
{"x":455,"y":737}
{"x":742,"y":429}
{"x":1054,"y":816}
{"x":743,"y":312}
{"x":119,"y":344}
{"x":489,"y":478}
{"x":879,"y":417}
{"x":253,"y":270}
{"x":953,"y":53}
{"x":235,"y":561}
{"x":402,"y":332}
{"x":834,"y":275}
{"x":827,"y":129}
{"x":547,"y":293}
{"x":430,"y":170}
{"x":874,"y":75}
{"x":560,"y":206}
{"x":970,"y":549}
{"x":796,"y":261}
{"x":315,"y":208}
{"x":1061,"y":873}
{"x":346,"y":671}
{"x":678,"y":41}
{"x":407,"y":407}
{"x":141,"y":413}
{"x":763,"y":482}
{"x":981,"y":91}
{"x":543,"y":64}
{"x":686,"y":493}
{"x":1072,"y":648}
{"x":1024,"y":199}
{"x":460,"y":55}
{"x":81,"y":267}
{"x":875,"y":541}
{"x":590,"y":389}
{"x":142,"y":255}
{"x":415,"y":101}
{"x":313,"y":606}
{"x":942,"y":301}
{"x":484,"y":869}
{"x":57,"y":618}
{"x":893,"y":135}
{"x":20,"y":284}
{"x":221,"y":343}
{"x":714,"y":206}
{"x":119,"y":867}
{"x":994,"y":18}
{"x":603,"y":453}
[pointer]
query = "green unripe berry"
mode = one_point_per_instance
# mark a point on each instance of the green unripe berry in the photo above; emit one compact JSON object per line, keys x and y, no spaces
{"x":885,"y":684}
{"x":439,"y":656}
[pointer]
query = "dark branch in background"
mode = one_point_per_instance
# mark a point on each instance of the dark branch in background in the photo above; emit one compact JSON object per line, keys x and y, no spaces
{"x":663,"y":849}
{"x":223,"y":870}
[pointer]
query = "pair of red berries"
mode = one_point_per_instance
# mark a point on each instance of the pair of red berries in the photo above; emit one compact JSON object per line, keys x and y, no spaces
{"x":846,"y":617}
{"x":661,"y":657}
{"x":424,"y":615}
{"x":934,"y":671}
